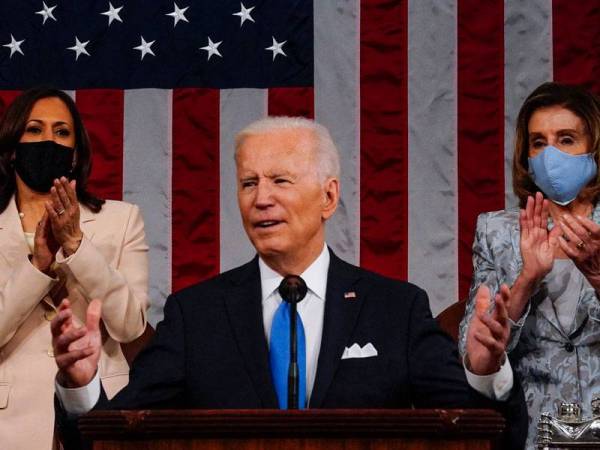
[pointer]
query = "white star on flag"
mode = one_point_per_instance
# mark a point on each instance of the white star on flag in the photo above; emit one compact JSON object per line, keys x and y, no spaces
{"x":212,"y":48}
{"x":244,"y":14}
{"x":46,"y":12}
{"x":15,"y":46}
{"x":178,"y":14}
{"x":276,"y":48}
{"x":79,"y":48}
{"x":112,"y":13}
{"x":145,"y":48}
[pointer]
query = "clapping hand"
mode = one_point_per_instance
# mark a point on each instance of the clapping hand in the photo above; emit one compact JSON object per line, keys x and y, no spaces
{"x":537,"y":243}
{"x":63,"y":212}
{"x":581,"y":243}
{"x":76,"y":349}
{"x":538,"y":249}
{"x":44,"y":245}
{"x":489,"y":332}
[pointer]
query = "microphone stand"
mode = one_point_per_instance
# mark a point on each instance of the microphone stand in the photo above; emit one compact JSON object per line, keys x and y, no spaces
{"x":293,"y":289}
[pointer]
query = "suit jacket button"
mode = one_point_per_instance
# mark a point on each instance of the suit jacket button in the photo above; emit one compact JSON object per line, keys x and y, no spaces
{"x":569,"y":347}
{"x":49,"y":315}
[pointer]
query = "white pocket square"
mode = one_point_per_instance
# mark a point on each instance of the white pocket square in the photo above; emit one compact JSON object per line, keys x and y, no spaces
{"x":356,"y":351}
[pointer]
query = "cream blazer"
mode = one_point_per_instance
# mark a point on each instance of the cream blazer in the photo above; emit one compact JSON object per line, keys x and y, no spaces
{"x":110,"y":264}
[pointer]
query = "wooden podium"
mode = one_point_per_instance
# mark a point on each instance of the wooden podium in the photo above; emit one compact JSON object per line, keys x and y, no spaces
{"x":291,"y":430}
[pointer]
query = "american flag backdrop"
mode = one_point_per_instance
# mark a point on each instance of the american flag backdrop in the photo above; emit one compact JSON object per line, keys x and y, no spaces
{"x":420,"y":96}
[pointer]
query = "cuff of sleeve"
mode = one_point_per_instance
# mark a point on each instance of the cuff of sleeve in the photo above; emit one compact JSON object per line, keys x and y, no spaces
{"x":80,"y":400}
{"x":496,"y":386}
{"x":519,"y":323}
{"x":62,"y":259}
{"x":37,"y":274}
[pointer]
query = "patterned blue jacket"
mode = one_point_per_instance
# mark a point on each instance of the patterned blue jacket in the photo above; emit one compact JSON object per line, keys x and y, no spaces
{"x":554,"y":365}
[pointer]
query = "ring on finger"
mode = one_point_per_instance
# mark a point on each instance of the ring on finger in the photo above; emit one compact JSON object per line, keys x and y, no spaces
{"x":580,"y":245}
{"x":62,"y":211}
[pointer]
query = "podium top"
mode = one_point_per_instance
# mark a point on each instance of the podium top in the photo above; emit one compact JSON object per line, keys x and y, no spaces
{"x":298,"y":423}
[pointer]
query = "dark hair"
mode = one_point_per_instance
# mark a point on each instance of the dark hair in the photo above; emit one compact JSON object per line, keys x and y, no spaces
{"x":12,"y":127}
{"x":580,"y":102}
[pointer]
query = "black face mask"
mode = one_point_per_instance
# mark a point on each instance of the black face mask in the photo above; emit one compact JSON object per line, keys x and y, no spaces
{"x":39,"y":163}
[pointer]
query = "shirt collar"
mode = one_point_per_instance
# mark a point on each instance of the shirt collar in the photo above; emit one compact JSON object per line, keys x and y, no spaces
{"x":315,"y":276}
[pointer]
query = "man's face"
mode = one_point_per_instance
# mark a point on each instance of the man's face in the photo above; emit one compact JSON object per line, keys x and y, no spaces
{"x":282,"y":202}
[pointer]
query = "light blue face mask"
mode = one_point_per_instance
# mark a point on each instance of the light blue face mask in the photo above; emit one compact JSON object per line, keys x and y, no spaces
{"x":561,"y":176}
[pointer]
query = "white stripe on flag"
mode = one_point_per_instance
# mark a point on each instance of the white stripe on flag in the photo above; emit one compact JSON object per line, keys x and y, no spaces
{"x":337,"y":107}
{"x":432,"y":154}
{"x":527,"y":63}
{"x":239,"y":107}
{"x":147,"y":165}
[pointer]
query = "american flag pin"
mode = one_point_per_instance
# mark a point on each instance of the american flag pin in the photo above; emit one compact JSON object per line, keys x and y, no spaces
{"x":350,"y":295}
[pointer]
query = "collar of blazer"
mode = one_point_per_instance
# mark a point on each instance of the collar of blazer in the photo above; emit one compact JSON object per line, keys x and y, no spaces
{"x":13,"y":243}
{"x":244,"y":308}
{"x":242,"y":297}
{"x":340,"y":319}
{"x":87,"y":221}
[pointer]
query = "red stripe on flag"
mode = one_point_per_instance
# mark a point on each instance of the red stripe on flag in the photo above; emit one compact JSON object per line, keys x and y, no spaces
{"x":291,"y":102}
{"x":195,"y":186}
{"x":6,"y":98}
{"x":383,"y":136}
{"x":102,"y":113}
{"x":576,"y":36}
{"x":480,"y":121}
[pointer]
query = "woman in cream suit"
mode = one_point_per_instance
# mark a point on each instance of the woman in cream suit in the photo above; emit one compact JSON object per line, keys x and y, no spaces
{"x":57,"y":240}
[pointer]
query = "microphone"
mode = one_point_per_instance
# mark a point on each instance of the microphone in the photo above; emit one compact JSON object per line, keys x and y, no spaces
{"x":293,"y":289}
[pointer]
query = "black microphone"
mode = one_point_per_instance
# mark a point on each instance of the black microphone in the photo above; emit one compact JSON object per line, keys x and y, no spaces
{"x":293,"y":289}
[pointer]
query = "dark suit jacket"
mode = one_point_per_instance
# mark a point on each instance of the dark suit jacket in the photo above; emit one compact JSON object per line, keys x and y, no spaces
{"x":210,"y":350}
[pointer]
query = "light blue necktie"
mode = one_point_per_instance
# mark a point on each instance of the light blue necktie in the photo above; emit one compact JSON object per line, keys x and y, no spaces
{"x":280,"y":355}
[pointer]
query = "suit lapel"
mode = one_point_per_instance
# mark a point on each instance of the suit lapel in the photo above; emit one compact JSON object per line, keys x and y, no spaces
{"x":87,"y":219}
{"x":338,"y":324}
{"x":244,"y":307}
{"x":14,"y":245}
{"x":546,"y":309}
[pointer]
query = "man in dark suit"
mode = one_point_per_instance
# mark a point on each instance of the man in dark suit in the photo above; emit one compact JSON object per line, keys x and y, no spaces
{"x":370,"y":341}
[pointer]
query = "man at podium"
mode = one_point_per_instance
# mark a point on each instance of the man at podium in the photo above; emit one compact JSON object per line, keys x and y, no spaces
{"x":362,"y":340}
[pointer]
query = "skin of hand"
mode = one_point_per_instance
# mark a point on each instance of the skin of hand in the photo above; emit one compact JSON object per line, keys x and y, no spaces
{"x":44,"y":245}
{"x":582,"y":245}
{"x":537,"y":243}
{"x":63,"y":212}
{"x":488,"y":332}
{"x":538,"y":247}
{"x":76,"y":349}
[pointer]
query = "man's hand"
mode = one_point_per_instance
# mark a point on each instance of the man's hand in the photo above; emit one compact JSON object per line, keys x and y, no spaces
{"x":76,"y":349}
{"x":488,"y":332}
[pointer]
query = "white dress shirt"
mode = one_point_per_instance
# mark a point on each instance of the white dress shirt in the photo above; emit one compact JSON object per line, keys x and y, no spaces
{"x":311,"y":311}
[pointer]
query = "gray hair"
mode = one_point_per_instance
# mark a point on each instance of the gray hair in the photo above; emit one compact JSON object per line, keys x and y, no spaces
{"x":327,"y":155}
